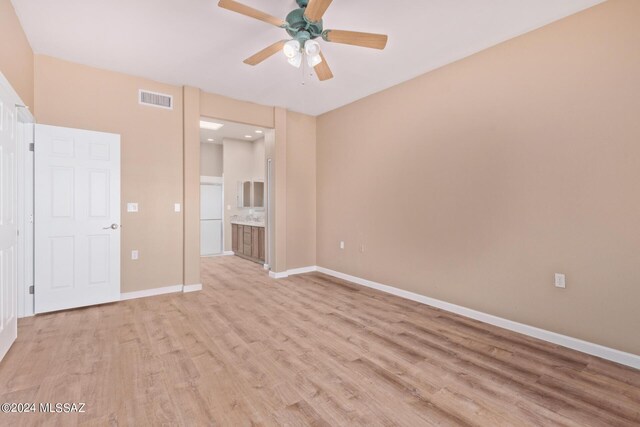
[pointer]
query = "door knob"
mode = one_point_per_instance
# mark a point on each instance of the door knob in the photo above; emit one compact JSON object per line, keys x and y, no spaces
{"x":111,"y":227}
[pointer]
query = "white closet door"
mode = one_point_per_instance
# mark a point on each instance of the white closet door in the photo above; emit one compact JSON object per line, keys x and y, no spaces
{"x":77,"y":218}
{"x":8,"y":220}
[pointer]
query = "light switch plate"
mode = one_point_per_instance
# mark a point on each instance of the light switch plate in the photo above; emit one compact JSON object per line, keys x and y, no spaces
{"x":560,"y":281}
{"x":176,"y":207}
{"x":132,"y":207}
{"x":341,"y":245}
{"x":134,"y":255}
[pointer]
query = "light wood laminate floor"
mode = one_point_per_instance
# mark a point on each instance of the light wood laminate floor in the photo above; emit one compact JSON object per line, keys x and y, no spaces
{"x":308,"y":350}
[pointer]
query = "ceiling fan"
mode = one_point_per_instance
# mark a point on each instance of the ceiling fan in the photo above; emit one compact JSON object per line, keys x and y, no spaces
{"x":305,"y":25}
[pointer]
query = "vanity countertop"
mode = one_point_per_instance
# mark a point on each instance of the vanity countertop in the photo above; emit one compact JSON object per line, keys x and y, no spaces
{"x":248,"y":223}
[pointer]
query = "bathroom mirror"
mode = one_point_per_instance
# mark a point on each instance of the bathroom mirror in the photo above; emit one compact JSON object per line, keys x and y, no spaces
{"x":251,"y":194}
{"x":244,"y":194}
{"x":258,"y":194}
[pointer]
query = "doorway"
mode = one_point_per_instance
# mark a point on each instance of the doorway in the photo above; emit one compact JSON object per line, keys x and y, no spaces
{"x":233,"y":169}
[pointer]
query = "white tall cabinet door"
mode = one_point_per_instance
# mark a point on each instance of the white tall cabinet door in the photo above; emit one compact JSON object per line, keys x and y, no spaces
{"x":77,"y":218}
{"x":8,"y":222}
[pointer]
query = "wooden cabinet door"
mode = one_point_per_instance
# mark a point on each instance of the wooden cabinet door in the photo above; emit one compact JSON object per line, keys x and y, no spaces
{"x":254,"y":243}
{"x":261,"y":244}
{"x":234,"y":237}
{"x":240,"y":239}
{"x":246,"y":240}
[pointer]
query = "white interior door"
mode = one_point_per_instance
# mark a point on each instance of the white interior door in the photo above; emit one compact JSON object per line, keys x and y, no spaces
{"x":210,"y":219}
{"x":77,"y":218}
{"x":8,"y":221}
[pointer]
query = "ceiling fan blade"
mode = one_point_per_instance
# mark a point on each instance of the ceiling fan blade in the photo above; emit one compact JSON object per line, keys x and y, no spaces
{"x":374,"y":41}
{"x":322,"y":69}
{"x":251,"y":12}
{"x":316,"y":9}
{"x":265,"y":53}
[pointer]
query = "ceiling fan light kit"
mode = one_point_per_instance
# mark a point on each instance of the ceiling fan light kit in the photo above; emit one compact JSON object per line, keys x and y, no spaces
{"x":304,"y":25}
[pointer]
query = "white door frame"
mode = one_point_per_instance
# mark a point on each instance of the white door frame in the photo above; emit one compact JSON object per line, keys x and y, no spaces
{"x":270,"y":218}
{"x":25,"y":212}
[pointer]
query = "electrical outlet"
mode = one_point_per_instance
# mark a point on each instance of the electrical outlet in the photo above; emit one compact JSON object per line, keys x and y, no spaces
{"x":176,"y":207}
{"x":341,"y":244}
{"x":134,"y":254}
{"x":560,"y":281}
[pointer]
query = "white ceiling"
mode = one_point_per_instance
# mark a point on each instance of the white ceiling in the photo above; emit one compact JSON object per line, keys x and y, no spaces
{"x":193,"y":42}
{"x":230,"y":130}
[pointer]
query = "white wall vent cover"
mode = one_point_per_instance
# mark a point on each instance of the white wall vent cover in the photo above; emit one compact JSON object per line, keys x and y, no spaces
{"x":155,"y":99}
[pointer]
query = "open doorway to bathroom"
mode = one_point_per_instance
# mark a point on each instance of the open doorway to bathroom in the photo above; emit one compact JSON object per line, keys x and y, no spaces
{"x":234,"y":192}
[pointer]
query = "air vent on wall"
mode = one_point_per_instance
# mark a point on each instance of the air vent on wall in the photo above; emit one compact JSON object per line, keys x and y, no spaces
{"x":154,"y":99}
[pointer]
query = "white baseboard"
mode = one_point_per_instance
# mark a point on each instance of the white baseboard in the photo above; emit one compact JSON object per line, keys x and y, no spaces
{"x":151,"y":292}
{"x":614,"y":355}
{"x":302,"y":270}
{"x":192,"y":288}
{"x":275,"y":275}
{"x":292,"y":272}
{"x":226,"y":253}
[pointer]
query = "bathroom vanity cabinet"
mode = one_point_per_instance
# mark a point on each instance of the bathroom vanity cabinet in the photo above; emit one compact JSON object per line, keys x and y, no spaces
{"x":248,"y":241}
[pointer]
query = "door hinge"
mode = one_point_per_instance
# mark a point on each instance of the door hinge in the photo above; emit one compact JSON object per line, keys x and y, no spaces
{"x":31,"y":290}
{"x":32,"y":146}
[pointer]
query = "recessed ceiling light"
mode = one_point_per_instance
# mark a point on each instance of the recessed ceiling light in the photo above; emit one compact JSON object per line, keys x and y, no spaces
{"x":210,"y":139}
{"x":210,"y":125}
{"x":259,"y":131}
{"x":248,"y":136}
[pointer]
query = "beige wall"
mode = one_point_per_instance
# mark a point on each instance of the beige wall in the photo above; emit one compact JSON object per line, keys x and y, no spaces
{"x":477,"y":182}
{"x":224,"y":108}
{"x":191,"y":184}
{"x":259,"y":159}
{"x":276,"y":150}
{"x":16,"y":56}
{"x":241,"y":164}
{"x":77,"y":96}
{"x":211,"y":163}
{"x":301,"y":190}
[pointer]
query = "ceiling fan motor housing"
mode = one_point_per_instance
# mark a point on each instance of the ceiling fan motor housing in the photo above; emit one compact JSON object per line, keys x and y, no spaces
{"x":300,"y":28}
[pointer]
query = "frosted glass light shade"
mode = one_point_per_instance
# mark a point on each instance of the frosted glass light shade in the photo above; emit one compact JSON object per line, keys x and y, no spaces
{"x":291,"y":49}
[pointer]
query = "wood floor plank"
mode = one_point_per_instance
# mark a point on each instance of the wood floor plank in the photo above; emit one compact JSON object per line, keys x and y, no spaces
{"x":306,"y":350}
